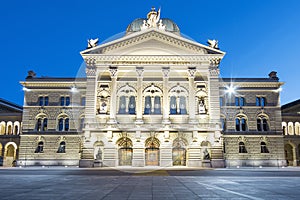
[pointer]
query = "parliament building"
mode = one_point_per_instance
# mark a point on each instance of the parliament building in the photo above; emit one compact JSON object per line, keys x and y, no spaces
{"x":152,"y":97}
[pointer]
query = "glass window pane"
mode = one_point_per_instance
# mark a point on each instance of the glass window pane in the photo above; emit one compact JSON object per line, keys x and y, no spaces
{"x":244,"y":125}
{"x":45,"y":123}
{"x":157,"y":105}
{"x":182,"y":105}
{"x":237,"y":124}
{"x":242,"y":101}
{"x":131,"y":106}
{"x":122,"y":105}
{"x":62,"y":101}
{"x":173,"y":105}
{"x":41,"y":101}
{"x":46,"y":101}
{"x":67,"y":124}
{"x":61,"y":124}
{"x":148,"y":105}
{"x":257,"y":101}
{"x":67,"y":101}
{"x":258,"y":122}
{"x":263,"y":101}
{"x":237,"y":101}
{"x":82,"y":101}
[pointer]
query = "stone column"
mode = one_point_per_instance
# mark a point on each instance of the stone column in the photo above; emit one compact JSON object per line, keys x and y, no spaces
{"x":192,"y":113}
{"x":166,"y":103}
{"x":87,"y":155}
{"x":139,"y":100}
{"x":213,"y":93}
{"x":113,"y":99}
{"x":294,"y":157}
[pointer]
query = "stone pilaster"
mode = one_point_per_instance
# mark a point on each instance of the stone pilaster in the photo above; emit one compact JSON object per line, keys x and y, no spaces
{"x":192,"y":113}
{"x":139,"y":101}
{"x":113,"y":101}
{"x":213,"y":93}
{"x":166,"y":103}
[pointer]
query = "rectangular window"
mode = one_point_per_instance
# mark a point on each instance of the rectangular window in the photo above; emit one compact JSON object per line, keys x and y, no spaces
{"x":261,"y":101}
{"x":46,"y":101}
{"x":62,"y":101}
{"x":242,"y":101}
{"x":82,"y":102}
{"x":237,"y":101}
{"x":41,"y":101}
{"x":67,"y":101}
{"x":221,"y":101}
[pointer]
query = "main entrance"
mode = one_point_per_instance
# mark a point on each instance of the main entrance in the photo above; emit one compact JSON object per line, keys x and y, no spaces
{"x":152,"y":151}
{"x":179,"y":152}
{"x":125,"y":151}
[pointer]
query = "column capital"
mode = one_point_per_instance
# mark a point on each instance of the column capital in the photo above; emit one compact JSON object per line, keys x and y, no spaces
{"x":192,"y":72}
{"x":214,"y":62}
{"x":113,"y":71}
{"x":165,"y":71}
{"x":214,"y":71}
{"x":90,"y":70}
{"x":139,"y":71}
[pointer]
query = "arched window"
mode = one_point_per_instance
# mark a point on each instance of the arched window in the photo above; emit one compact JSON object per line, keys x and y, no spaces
{"x":290,"y":128}
{"x":62,"y":147}
{"x":262,"y":123}
{"x":297,"y":128}
{"x":173,"y":105}
{"x":9,"y":129}
{"x":81,"y":124}
{"x":263,"y":148}
{"x":283,"y":124}
{"x":41,"y":123}
{"x":126,"y":95}
{"x":40,"y":147}
{"x":223,"y":123}
{"x":242,"y":148}
{"x":152,"y":96}
{"x":63,"y":124}
{"x":2,"y":128}
{"x":16,"y":130}
{"x":241,"y":123}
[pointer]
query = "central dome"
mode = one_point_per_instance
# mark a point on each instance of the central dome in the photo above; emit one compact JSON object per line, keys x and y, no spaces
{"x":136,"y":25}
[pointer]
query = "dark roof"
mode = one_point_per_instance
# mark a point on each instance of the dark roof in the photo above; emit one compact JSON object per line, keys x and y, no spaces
{"x":248,"y":80}
{"x":54,"y":79}
{"x":291,"y":104}
{"x":10,"y":105}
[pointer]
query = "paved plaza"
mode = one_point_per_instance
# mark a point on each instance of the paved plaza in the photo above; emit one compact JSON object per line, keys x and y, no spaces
{"x":133,"y":183}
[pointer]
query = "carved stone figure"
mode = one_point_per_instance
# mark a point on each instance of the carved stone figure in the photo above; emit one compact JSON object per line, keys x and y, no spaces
{"x":213,"y":43}
{"x":202,"y":107}
{"x":92,"y":42}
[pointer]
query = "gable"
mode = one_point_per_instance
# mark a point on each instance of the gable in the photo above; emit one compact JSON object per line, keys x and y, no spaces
{"x":152,"y":42}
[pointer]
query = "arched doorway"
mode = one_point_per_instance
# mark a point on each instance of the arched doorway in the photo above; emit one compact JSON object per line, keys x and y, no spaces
{"x":152,"y":151}
{"x":125,"y":151}
{"x":288,"y":150}
{"x":179,"y":152}
{"x":10,"y":154}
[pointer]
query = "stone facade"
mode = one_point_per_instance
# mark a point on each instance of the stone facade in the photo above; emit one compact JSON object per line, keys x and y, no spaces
{"x":151,"y":98}
{"x":291,"y":132}
{"x":10,"y":130}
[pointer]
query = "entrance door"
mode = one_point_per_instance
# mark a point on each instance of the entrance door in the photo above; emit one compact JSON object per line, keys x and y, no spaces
{"x":125,"y":156}
{"x":152,"y":156}
{"x":179,"y":158}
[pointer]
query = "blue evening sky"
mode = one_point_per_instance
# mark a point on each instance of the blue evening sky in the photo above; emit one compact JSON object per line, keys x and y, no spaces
{"x":46,"y":36}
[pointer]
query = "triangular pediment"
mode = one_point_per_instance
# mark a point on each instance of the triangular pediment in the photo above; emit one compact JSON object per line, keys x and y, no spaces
{"x":152,"y":42}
